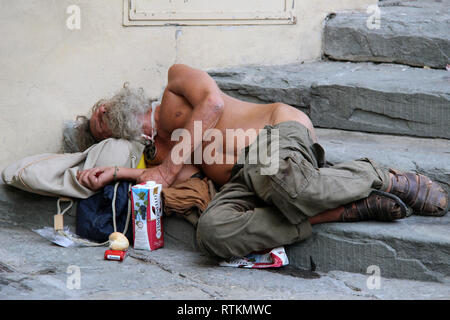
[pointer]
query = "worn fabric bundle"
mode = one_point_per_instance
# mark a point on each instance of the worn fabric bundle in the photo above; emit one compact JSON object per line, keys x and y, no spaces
{"x":180,"y":198}
{"x":54,"y":174}
{"x":189,"y":198}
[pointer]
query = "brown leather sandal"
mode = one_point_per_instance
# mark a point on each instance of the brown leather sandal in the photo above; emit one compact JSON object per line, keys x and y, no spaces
{"x":424,"y":196}
{"x":379,"y":205}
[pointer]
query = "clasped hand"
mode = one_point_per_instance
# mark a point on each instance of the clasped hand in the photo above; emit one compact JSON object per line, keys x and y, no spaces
{"x":96,"y":178}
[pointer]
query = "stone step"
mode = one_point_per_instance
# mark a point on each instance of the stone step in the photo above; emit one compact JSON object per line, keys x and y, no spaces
{"x":409,"y":32}
{"x":413,"y":248}
{"x":416,"y":248}
{"x":369,"y":97}
{"x":424,"y":155}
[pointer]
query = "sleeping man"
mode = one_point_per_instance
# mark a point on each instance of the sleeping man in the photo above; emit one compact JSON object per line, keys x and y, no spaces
{"x":273,"y":177}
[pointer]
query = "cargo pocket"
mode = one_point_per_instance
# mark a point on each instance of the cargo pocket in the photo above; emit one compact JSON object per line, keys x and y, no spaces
{"x":334,"y":172}
{"x":293,"y":175}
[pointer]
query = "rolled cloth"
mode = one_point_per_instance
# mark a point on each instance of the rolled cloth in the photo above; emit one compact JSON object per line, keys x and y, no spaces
{"x":188,"y":197}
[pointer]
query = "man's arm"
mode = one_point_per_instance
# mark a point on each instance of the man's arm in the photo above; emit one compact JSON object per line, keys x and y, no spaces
{"x":203,"y":94}
{"x":97,"y":178}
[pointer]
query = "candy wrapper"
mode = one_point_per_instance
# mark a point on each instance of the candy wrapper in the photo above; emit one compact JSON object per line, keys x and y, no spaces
{"x":273,"y":258}
{"x":147,"y":216}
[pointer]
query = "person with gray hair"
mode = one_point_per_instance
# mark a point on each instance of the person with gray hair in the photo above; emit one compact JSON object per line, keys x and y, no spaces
{"x":123,"y":117}
{"x":254,"y":210}
{"x":129,"y":114}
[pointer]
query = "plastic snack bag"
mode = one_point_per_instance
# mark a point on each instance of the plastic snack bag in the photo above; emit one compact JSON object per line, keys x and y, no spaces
{"x":271,"y":258}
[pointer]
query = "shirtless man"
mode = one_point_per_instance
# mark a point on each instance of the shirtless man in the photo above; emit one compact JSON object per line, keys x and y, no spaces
{"x":192,"y":95}
{"x":254,"y":211}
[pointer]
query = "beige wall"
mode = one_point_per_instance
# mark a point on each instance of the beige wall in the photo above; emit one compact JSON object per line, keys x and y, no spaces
{"x":49,"y":73}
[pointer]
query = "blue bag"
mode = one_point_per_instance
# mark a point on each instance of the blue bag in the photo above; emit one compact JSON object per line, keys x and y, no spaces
{"x":95,"y":215}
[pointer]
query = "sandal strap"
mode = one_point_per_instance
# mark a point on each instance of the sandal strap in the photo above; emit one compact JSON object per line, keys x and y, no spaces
{"x":424,"y":196}
{"x":379,"y":205}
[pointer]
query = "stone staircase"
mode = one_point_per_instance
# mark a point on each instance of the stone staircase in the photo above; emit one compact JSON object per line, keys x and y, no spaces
{"x":379,"y":93}
{"x":396,"y":112}
{"x":413,"y":33}
{"x":364,"y":96}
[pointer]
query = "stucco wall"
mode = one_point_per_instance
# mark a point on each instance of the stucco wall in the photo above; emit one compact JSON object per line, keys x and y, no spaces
{"x":49,"y":73}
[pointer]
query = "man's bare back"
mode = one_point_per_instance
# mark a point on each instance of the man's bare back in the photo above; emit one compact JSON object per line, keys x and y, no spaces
{"x":192,"y":96}
{"x":175,"y":111}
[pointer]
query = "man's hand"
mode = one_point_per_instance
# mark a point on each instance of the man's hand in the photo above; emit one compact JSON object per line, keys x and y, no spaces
{"x":154,"y":174}
{"x":96,"y":178}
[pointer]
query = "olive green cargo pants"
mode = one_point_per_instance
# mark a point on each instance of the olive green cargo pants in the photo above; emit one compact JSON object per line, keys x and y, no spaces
{"x":260,"y":209}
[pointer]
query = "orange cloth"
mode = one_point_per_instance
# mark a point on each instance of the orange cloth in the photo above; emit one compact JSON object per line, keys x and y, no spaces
{"x":183,"y":197}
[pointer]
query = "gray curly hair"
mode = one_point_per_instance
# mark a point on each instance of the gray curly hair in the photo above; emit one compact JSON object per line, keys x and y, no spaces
{"x":124,"y":111}
{"x":123,"y":116}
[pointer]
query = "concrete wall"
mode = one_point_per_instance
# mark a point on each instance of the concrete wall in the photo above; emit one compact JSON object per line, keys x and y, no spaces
{"x":49,"y":73}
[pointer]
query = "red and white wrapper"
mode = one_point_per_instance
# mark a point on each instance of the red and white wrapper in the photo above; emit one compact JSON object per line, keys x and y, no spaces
{"x":271,"y":258}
